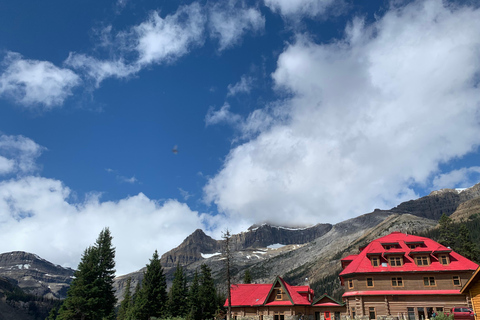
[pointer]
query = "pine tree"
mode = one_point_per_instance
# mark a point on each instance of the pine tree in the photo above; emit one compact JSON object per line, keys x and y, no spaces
{"x":207,"y":293}
{"x":177,"y":303}
{"x":447,"y":231}
{"x":126,"y":302}
{"x":194,"y":307}
{"x":464,"y":244}
{"x":152,"y":298}
{"x":247,"y":278}
{"x":52,"y":315}
{"x":91,"y":294}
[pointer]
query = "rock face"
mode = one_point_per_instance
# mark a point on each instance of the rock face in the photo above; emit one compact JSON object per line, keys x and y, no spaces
{"x":35,"y":275}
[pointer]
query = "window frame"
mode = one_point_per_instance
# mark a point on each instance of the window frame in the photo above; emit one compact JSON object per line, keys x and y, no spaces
{"x":368,"y":286}
{"x":398,"y":282}
{"x":397,"y":259}
{"x":375,"y":261}
{"x":370,"y":313}
{"x":427,"y":282}
{"x":444,"y":256}
{"x":458,"y":279}
{"x":423,"y":259}
{"x":350,"y":284}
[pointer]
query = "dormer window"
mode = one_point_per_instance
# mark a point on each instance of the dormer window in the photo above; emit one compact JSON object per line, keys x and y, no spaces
{"x":422,"y":260}
{"x":395,"y":261}
{"x":350,"y":283}
{"x":444,"y":259}
{"x":375,"y":261}
{"x":414,"y":245}
{"x":388,"y":246}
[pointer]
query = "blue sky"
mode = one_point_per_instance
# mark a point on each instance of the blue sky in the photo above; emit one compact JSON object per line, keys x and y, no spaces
{"x":287,"y":112}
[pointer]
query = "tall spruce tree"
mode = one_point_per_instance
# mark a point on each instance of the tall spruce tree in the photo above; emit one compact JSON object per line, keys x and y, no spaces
{"x":152,"y":298}
{"x":91,"y":294}
{"x":194,"y":303}
{"x":177,"y":302}
{"x":126,"y":303}
{"x":247,"y":278}
{"x":208,"y":301}
{"x":447,"y":231}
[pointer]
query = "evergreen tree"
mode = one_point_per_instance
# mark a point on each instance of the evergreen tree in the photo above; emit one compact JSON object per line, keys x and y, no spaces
{"x":126,"y":304}
{"x":152,"y":298}
{"x":465,"y":246}
{"x":177,"y":303}
{"x":207,"y":293}
{"x":447,"y":231}
{"x":91,"y":294}
{"x":247,"y":277}
{"x":53,"y":314}
{"x":194,"y":307}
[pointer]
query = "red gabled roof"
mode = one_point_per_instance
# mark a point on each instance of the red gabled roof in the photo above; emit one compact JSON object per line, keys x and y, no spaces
{"x":326,"y":301}
{"x":257,"y":294}
{"x":362,"y":264}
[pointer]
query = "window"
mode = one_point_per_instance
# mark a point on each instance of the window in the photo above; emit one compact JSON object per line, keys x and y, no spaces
{"x":439,"y":309}
{"x":371,"y":313}
{"x":456,"y":281}
{"x":353,"y":312}
{"x":397,"y":282}
{"x":369,"y":282}
{"x":429,"y":281}
{"x":279,"y":316}
{"x":279,"y":295}
{"x":375,"y":261}
{"x":422,"y":260}
{"x":395,"y":261}
{"x":444,"y":259}
{"x":350,"y":284}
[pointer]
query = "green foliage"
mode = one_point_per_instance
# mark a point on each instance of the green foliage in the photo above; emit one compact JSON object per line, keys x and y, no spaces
{"x":207,"y":291}
{"x":177,"y":302}
{"x":247,"y":277}
{"x":330,"y":285}
{"x":462,"y":237}
{"x":194,"y":304}
{"x":91,"y":294}
{"x":126,"y":304}
{"x":443,"y":316}
{"x":151,"y":300}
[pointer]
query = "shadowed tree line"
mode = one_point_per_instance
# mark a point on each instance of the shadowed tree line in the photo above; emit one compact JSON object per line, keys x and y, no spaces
{"x":91,"y":294}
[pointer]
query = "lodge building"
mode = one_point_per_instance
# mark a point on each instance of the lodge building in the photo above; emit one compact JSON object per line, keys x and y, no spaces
{"x":395,"y":277}
{"x":404,"y":276}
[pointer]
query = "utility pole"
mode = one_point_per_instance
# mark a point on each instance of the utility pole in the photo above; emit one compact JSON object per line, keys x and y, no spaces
{"x":226,"y":236}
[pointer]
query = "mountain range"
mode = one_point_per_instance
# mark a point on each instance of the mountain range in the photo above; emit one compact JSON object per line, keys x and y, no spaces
{"x":301,"y":255}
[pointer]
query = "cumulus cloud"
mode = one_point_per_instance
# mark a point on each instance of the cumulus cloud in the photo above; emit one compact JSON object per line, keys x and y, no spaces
{"x":460,"y":178}
{"x":18,"y":155}
{"x":35,"y":83}
{"x":159,"y":40}
{"x":370,"y":116}
{"x":230,"y":20}
{"x":309,"y":8}
{"x":139,"y":224}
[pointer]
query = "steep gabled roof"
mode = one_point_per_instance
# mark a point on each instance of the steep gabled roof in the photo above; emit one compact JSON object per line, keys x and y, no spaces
{"x":362,"y":264}
{"x":258,"y":294}
{"x":326,"y":301}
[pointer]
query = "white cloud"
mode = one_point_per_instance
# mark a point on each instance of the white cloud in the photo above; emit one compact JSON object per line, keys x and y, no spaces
{"x":224,"y":115}
{"x":33,"y":82}
{"x":309,"y":8}
{"x":99,"y":70}
{"x":36,"y":216}
{"x":18,"y":154}
{"x":460,"y":178}
{"x":231,"y":20}
{"x":243,"y":86}
{"x":370,"y":115}
{"x":160,"y":40}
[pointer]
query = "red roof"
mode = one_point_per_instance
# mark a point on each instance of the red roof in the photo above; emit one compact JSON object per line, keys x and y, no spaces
{"x":400,"y":292}
{"x":362,"y":264}
{"x":257,"y":294}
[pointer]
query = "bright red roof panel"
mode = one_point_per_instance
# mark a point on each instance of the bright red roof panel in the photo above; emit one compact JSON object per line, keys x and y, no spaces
{"x":400,"y":292}
{"x":362,"y":264}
